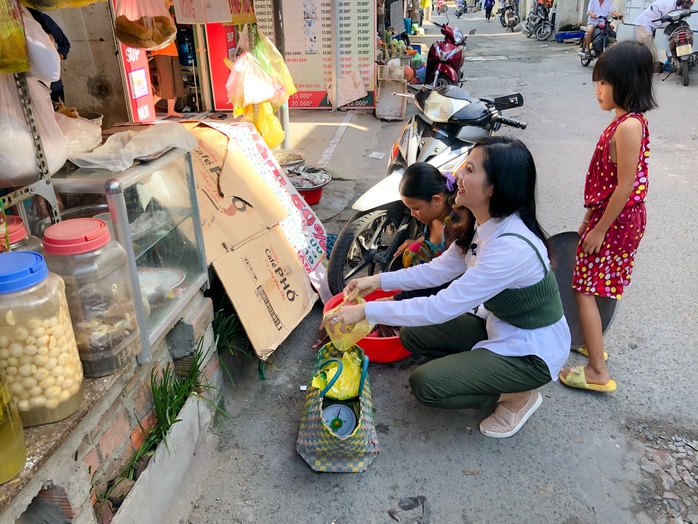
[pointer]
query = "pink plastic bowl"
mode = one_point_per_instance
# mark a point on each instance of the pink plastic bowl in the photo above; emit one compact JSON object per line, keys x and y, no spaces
{"x":377,"y":349}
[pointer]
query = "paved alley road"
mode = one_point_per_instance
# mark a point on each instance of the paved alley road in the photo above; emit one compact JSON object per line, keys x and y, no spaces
{"x":582,"y":458}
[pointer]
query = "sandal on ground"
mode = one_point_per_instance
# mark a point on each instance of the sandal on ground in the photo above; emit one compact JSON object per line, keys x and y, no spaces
{"x":503,"y":423}
{"x":583,"y":351}
{"x":576,"y":379}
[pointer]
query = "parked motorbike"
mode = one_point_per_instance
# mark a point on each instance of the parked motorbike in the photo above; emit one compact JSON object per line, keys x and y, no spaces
{"x":603,"y":36}
{"x":538,"y":23}
{"x":680,"y":53}
{"x":460,"y":8}
{"x":448,"y":122}
{"x":445,"y":58}
{"x":508,"y":16}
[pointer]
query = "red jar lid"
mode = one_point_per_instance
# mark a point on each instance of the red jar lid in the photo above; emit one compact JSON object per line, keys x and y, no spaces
{"x":76,"y":236}
{"x":15,"y":229}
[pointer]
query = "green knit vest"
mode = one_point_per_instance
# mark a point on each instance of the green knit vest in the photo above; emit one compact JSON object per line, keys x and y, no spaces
{"x":530,"y":307}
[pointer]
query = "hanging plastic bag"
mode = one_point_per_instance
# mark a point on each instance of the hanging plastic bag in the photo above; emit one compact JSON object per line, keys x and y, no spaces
{"x":43,"y":56}
{"x":50,"y":5}
{"x":81,"y":134}
{"x":14,"y":57}
{"x":341,"y":340}
{"x":248,"y":84}
{"x":347,"y":385}
{"x":270,"y":59}
{"x":144,"y":24}
{"x":18,"y":164}
{"x":263,"y":118}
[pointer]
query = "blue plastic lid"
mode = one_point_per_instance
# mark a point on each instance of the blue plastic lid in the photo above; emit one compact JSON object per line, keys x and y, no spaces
{"x":20,"y":270}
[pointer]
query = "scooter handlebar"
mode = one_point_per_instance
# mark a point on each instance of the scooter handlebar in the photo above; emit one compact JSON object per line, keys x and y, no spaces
{"x":510,"y":122}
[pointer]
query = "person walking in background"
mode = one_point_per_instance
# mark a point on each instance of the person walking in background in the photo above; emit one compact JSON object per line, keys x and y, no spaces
{"x":598,"y":11}
{"x":167,"y":81}
{"x":62,"y":43}
{"x":614,"y":195}
{"x":489,"y":4}
{"x":426,"y":6}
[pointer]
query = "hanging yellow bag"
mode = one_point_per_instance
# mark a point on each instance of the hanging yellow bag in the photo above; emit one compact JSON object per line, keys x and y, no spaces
{"x":14,"y":57}
{"x":50,"y":5}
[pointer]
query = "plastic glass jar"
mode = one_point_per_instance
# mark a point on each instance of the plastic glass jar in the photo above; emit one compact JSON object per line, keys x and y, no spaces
{"x":13,"y":452}
{"x":20,"y":239}
{"x":38,"y":352}
{"x":94,"y":268}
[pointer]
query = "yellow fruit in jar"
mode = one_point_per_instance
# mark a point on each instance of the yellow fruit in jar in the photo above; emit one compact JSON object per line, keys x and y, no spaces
{"x":21,"y":334}
{"x":30,"y":350}
{"x":25,"y":370}
{"x":42,"y":341}
{"x":26,"y":359}
{"x":16,"y":388}
{"x":52,"y":362}
{"x":53,"y":392}
{"x":63,"y":359}
{"x":51,"y":342}
{"x":74,"y":388}
{"x":30,"y":341}
{"x":52,"y":403}
{"x":42,"y":351}
{"x":65,"y":395}
{"x":58,"y":371}
{"x":12,"y":361}
{"x":41,"y":374}
{"x":34,"y":323}
{"x":47,"y":383}
{"x":38,"y":332}
{"x":41,"y":360}
{"x":36,"y":391}
{"x":4,"y":341}
{"x":29,"y":382}
{"x":67,"y":384}
{"x":23,"y":405}
{"x":10,"y":318}
{"x":54,"y":353}
{"x":38,"y":402}
{"x":11,"y":371}
{"x":16,"y":350}
{"x":4,"y":354}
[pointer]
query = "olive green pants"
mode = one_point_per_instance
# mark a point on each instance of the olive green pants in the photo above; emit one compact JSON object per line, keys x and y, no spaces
{"x":461,"y":377}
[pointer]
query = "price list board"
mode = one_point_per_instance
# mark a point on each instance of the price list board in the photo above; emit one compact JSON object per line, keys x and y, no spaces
{"x":357,"y":43}
{"x":264,"y":12}
{"x":309,"y":40}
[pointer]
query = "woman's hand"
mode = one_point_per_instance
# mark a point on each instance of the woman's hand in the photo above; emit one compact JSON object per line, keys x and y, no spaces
{"x":362,"y":287}
{"x":345,"y":317}
{"x":593,"y":241}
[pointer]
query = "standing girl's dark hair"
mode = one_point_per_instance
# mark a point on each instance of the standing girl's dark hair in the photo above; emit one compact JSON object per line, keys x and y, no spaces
{"x":423,"y":181}
{"x":629,"y":67}
{"x":510,"y":169}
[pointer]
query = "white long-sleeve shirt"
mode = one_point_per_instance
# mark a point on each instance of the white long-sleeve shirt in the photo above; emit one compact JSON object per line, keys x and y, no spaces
{"x":650,"y":17}
{"x":499,"y":263}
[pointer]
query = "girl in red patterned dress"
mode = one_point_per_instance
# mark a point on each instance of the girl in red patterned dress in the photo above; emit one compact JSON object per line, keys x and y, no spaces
{"x":614,"y":195}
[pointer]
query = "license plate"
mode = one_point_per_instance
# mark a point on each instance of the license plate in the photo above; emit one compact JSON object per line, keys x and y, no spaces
{"x":682,"y":50}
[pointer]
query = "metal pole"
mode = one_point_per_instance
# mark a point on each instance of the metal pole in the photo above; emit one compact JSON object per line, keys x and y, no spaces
{"x":337,"y":59}
{"x":280,"y":43}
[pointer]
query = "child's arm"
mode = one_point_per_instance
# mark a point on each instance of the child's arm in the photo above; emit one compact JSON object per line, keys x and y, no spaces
{"x":628,"y":139}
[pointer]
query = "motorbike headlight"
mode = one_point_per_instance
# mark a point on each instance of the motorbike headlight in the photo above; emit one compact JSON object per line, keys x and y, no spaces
{"x":439,"y":108}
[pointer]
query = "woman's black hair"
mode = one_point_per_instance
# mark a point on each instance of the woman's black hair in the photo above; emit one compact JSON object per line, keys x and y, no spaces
{"x":422,"y":181}
{"x":510,"y":169}
{"x":629,"y":67}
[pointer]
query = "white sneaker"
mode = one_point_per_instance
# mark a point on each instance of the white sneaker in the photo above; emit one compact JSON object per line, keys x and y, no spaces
{"x":581,"y":53}
{"x":503,"y":423}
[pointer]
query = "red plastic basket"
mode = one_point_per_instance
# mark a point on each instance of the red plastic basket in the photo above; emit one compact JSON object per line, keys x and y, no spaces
{"x":378,"y":349}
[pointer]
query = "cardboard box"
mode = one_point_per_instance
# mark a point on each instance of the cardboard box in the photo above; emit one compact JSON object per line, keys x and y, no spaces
{"x":242,"y":216}
{"x":268,"y":287}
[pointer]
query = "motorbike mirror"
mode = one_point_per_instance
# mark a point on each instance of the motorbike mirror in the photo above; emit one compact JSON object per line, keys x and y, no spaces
{"x":443,"y":9}
{"x":472,"y":31}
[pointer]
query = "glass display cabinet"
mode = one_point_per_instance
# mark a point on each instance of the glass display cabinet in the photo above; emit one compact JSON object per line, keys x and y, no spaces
{"x":151,"y":210}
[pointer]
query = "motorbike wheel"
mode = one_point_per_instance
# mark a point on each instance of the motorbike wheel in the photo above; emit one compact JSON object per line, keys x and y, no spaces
{"x":586,"y":60}
{"x":501,"y":21}
{"x":366,"y":246}
{"x":684,"y":73}
{"x":544,"y":31}
{"x":443,"y":81}
{"x":528,"y":33}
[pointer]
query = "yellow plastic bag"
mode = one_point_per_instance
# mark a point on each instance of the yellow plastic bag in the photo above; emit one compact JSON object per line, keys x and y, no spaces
{"x":343,"y":341}
{"x":263,"y":118}
{"x":347,"y":385}
{"x":50,"y":5}
{"x":13,"y":46}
